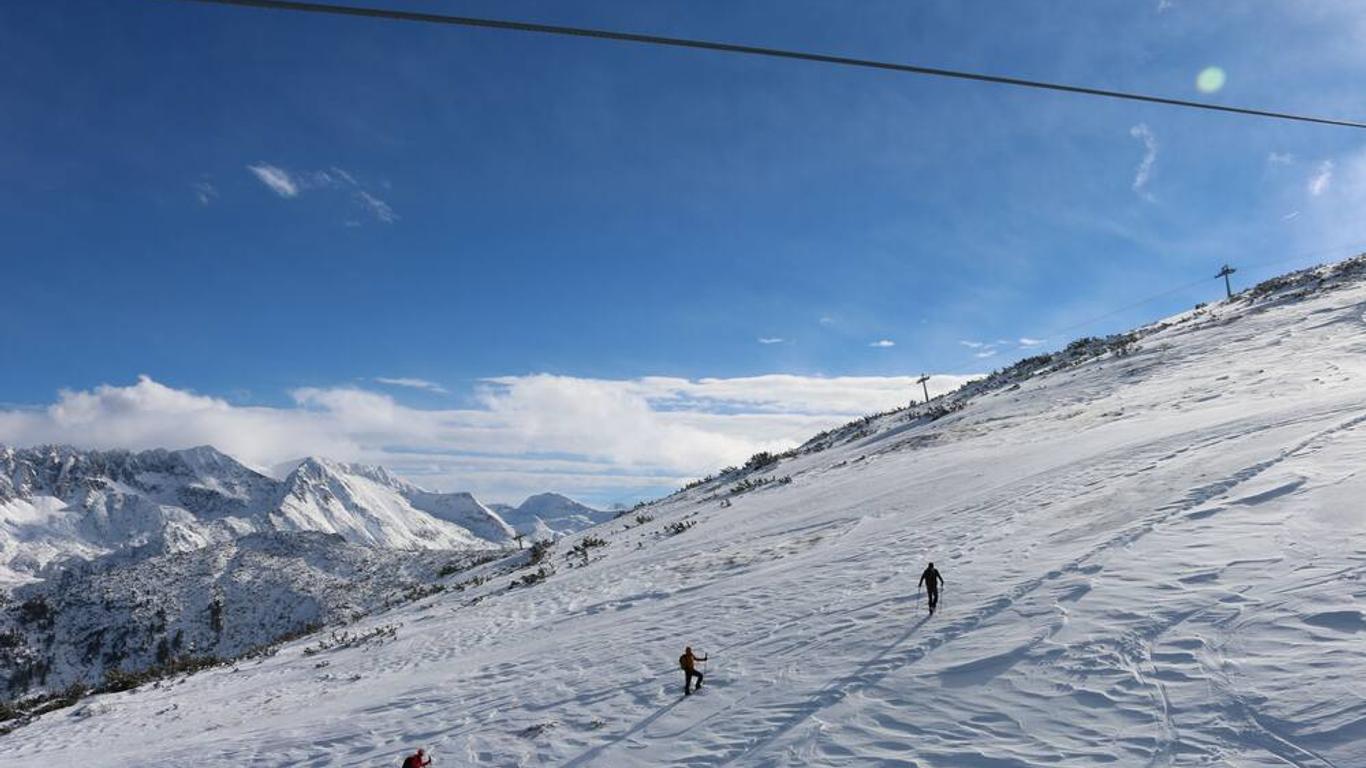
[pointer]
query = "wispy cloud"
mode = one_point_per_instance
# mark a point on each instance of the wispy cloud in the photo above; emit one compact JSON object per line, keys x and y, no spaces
{"x":973,"y":344}
{"x":607,"y":435}
{"x":985,"y":353}
{"x":376,"y":207}
{"x":204,"y":192}
{"x":277,"y":179}
{"x":1322,"y":178}
{"x":400,"y":381}
{"x":770,"y":340}
{"x":826,"y":320}
{"x":290,"y":184}
{"x":1144,"y":174}
{"x":882,"y":343}
{"x":1290,"y":216}
{"x":1165,"y":5}
{"x":1279,"y":158}
{"x":1025,"y":341}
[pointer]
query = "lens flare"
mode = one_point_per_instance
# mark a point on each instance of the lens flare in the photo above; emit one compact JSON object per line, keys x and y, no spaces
{"x":1210,"y":79}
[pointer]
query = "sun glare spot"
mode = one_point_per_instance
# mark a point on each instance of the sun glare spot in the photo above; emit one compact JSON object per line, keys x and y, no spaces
{"x":1210,"y":79}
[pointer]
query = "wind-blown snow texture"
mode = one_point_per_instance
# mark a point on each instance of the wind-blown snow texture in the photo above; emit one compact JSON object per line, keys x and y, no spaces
{"x":1154,"y":558}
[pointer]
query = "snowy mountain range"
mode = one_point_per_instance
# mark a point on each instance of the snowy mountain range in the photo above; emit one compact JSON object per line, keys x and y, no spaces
{"x":1154,"y":552}
{"x":57,"y":502}
{"x":161,"y":535}
{"x":547,"y":515}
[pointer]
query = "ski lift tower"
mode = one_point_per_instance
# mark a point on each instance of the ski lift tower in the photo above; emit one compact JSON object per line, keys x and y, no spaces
{"x":1224,"y":273}
{"x":924,"y":377}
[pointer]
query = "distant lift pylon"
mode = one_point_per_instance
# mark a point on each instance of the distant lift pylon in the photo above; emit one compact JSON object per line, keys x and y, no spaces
{"x":1224,"y":273}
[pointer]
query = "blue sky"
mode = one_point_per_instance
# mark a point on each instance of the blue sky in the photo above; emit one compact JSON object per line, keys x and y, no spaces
{"x":272,"y":213}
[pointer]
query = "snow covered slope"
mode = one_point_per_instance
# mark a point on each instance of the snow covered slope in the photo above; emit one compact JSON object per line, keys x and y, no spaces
{"x":547,"y":514}
{"x":465,"y":511}
{"x":58,"y":502}
{"x":1155,"y":553}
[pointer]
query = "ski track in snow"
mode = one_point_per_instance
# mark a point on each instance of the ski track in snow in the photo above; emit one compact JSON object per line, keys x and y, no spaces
{"x":1158,"y":560}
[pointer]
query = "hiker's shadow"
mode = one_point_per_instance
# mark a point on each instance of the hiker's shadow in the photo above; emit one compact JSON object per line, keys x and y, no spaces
{"x":590,"y":754}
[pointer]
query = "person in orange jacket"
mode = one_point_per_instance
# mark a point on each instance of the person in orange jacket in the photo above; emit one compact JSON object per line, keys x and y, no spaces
{"x":688,"y":662}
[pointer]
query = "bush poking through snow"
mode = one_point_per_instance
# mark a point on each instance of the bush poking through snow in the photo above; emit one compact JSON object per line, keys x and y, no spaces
{"x":673,"y":529}
{"x":540,"y":550}
{"x":348,"y":639}
{"x":698,"y":482}
{"x":587,"y":544}
{"x":468,"y":562}
{"x":535,"y":577}
{"x":760,"y":460}
{"x":469,"y":583}
{"x":16,"y":714}
{"x":119,"y":680}
{"x":412,"y":594}
{"x":749,"y":484}
{"x":539,"y":729}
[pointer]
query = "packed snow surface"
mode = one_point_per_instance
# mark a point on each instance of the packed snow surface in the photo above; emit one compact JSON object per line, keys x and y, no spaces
{"x":1152,"y":559}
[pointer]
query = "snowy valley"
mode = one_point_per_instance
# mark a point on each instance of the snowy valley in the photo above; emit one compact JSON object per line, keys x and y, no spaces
{"x":1154,"y":547}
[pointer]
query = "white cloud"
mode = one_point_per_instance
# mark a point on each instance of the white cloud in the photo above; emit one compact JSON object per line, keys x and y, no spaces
{"x":882,"y":343}
{"x":400,"y":381}
{"x":826,"y":320}
{"x":1332,"y":226}
{"x":609,"y":438}
{"x":376,"y":207}
{"x":1165,"y":5}
{"x":1144,"y":174}
{"x":985,"y":353}
{"x":1322,"y":178}
{"x":973,"y":344}
{"x":770,"y":340}
{"x":289,"y":184}
{"x":204,"y":192}
{"x":1279,"y":158}
{"x":1025,"y":341}
{"x":277,"y":179}
{"x":1290,"y":216}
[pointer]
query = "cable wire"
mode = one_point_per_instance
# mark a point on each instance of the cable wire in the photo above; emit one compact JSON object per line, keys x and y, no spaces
{"x":754,"y":50}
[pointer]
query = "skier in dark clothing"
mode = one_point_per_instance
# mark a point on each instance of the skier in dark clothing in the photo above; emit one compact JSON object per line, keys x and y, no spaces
{"x":932,"y":580}
{"x":416,"y":760}
{"x":688,"y":662}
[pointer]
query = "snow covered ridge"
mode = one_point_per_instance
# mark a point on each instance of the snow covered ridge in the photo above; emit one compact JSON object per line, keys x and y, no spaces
{"x":58,"y":503}
{"x":546,"y":515}
{"x":1290,"y":287}
{"x":1155,"y":555}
